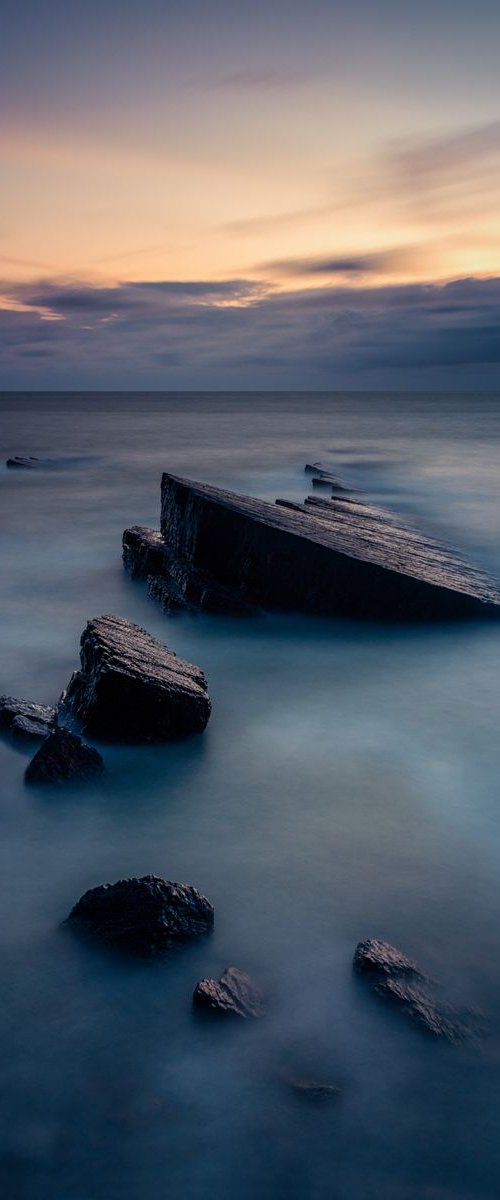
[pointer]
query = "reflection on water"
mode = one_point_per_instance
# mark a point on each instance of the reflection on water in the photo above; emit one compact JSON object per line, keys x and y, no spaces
{"x":347,"y":786}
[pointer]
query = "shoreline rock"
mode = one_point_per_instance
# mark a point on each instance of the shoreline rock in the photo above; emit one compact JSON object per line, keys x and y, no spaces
{"x":395,"y":978}
{"x":131,"y":687}
{"x":63,"y":758}
{"x":26,"y":719}
{"x":235,"y":994}
{"x":145,"y":917}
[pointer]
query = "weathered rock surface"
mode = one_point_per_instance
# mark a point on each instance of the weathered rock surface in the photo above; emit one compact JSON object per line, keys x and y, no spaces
{"x":234,"y":994}
{"x":131,"y":687}
{"x":174,"y":582}
{"x":25,"y":719}
{"x":331,"y":556}
{"x":145,"y":916}
{"x":63,"y":758}
{"x":396,"y":978}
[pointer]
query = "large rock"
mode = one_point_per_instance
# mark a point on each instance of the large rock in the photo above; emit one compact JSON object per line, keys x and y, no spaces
{"x":131,"y":687}
{"x":235,"y":994}
{"x":396,"y":978}
{"x":145,"y":916}
{"x":25,"y":719}
{"x":337,"y":556}
{"x":63,"y":758}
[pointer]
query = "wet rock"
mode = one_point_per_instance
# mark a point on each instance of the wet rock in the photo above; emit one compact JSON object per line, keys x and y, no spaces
{"x":383,"y":960}
{"x":146,"y":916}
{"x":396,"y":978}
{"x":26,"y":463}
{"x":312,"y":1089}
{"x":63,"y":758}
{"x":25,"y":719}
{"x":174,"y":582}
{"x":234,"y":994}
{"x":131,"y":687}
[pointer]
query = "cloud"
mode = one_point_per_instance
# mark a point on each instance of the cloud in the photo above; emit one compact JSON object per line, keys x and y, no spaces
{"x":379,"y":262}
{"x":170,"y":334}
{"x":250,"y":79}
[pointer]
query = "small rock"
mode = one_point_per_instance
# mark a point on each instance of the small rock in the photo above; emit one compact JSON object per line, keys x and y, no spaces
{"x":26,"y":719}
{"x":396,"y":978}
{"x":234,"y":994}
{"x":63,"y":758}
{"x":146,"y":916}
{"x":312,"y":1089}
{"x":25,"y":462}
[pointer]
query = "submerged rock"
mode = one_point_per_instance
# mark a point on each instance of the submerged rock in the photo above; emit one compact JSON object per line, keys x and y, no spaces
{"x":234,"y":994}
{"x":63,"y":758}
{"x":312,"y":1089}
{"x":146,"y":916}
{"x":24,"y":718}
{"x":396,"y":978}
{"x":131,"y":687}
{"x":26,"y":462}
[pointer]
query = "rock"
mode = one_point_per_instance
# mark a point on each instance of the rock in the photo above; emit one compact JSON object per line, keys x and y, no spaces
{"x":145,"y":916}
{"x":25,"y":719}
{"x":174,"y":582}
{"x":396,"y":978}
{"x":63,"y":758}
{"x":312,"y":1089}
{"x":234,"y":994}
{"x":337,"y":556}
{"x":131,"y":687}
{"x":27,"y":463}
{"x":382,"y":959}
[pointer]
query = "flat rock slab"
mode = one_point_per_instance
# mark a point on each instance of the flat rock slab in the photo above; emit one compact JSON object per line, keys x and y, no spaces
{"x":131,"y":687}
{"x":25,"y":719}
{"x":146,"y":916}
{"x":395,"y":978}
{"x":336,"y":556}
{"x":234,"y":994}
{"x":63,"y":758}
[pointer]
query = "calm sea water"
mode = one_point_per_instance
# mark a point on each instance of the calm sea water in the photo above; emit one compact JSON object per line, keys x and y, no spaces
{"x":347,"y":786}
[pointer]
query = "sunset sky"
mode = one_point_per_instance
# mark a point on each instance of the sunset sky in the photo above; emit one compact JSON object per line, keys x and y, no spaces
{"x":272,"y":195}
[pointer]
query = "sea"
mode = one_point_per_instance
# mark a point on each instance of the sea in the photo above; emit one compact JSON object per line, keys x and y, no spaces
{"x":347,"y":786}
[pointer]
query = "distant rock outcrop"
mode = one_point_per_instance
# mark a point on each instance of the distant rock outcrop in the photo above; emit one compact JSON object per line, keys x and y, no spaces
{"x":397,"y":979}
{"x":235,"y":994}
{"x":26,"y":462}
{"x":131,"y":687}
{"x":25,"y":719}
{"x":63,"y":758}
{"x":146,"y":916}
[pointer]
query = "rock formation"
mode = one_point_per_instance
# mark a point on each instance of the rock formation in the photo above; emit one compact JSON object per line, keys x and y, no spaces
{"x":145,"y":916}
{"x":226,"y":552}
{"x":131,"y":687}
{"x":234,"y":994}
{"x":396,"y":978}
{"x":25,"y":719}
{"x":63,"y":758}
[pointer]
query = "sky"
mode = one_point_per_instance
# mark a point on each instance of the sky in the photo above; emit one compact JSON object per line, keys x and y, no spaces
{"x":206,"y":194}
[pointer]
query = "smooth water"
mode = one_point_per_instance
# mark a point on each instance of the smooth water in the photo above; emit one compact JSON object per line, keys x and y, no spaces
{"x":347,"y":786}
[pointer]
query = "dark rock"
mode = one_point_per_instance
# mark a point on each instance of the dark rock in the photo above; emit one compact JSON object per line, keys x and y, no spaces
{"x":331,"y":556}
{"x":23,"y":718}
{"x":174,"y":582}
{"x":63,"y":758}
{"x":395,"y":978}
{"x":381,"y":959}
{"x":145,"y":916}
{"x":131,"y":687}
{"x":27,"y":463}
{"x":234,"y":994}
{"x":312,"y":1089}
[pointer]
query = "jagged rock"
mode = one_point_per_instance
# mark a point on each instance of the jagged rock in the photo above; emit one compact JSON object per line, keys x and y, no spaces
{"x":27,"y":463}
{"x":174,"y":582}
{"x":396,"y":978}
{"x":382,"y":959}
{"x":145,"y":916}
{"x":25,"y":719}
{"x":234,"y":994}
{"x":131,"y":687}
{"x":63,"y":758}
{"x":337,"y":556}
